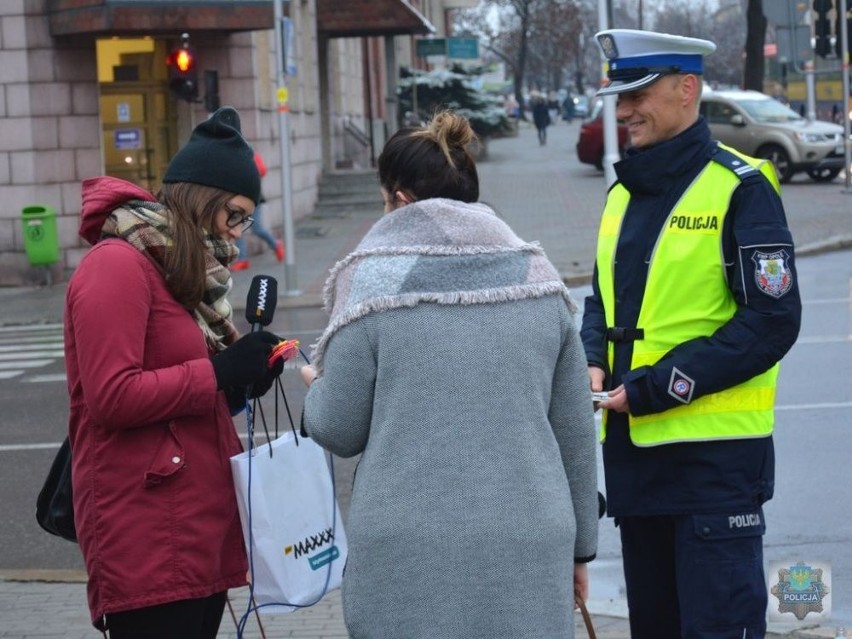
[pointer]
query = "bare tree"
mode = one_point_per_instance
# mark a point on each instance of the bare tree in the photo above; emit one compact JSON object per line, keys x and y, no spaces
{"x":536,"y":39}
{"x":703,"y":20}
{"x":555,"y":29}
{"x":511,"y":42}
{"x":542,"y":41}
{"x":755,"y":39}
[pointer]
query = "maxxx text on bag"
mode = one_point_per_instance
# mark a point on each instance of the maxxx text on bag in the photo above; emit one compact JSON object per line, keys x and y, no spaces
{"x":291,"y":523}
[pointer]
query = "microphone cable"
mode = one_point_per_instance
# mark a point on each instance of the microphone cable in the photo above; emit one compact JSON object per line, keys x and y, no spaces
{"x":251,"y":409}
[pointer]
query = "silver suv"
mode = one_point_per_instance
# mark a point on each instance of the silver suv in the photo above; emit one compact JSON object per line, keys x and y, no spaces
{"x":763,"y":127}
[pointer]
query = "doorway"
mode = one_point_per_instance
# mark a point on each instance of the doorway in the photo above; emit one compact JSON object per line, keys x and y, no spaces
{"x":138,"y":115}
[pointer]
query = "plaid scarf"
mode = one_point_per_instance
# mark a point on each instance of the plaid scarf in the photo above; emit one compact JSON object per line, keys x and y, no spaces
{"x":435,"y":251}
{"x":145,"y":226}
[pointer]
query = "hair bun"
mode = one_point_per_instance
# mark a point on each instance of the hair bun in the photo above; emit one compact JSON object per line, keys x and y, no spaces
{"x":450,"y":129}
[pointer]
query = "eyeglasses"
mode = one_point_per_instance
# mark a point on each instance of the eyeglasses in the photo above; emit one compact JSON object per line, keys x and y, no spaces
{"x":236,"y":218}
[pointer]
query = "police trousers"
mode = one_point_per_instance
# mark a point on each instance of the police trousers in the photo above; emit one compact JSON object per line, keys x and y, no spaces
{"x":695,"y":576}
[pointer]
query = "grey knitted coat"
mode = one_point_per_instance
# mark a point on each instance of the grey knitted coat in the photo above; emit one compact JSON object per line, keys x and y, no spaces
{"x":452,"y":364}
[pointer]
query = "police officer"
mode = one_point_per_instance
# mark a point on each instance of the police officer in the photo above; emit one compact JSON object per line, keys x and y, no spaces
{"x":695,"y":300}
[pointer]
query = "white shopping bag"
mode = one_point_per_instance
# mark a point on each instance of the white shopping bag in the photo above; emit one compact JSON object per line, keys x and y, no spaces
{"x":297,"y":544}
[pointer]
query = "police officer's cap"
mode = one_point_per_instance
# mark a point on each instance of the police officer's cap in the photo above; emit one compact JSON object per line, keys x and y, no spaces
{"x":637,"y":59}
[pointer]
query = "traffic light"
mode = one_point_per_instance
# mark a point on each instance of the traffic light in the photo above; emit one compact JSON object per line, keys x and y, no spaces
{"x":183,"y":71}
{"x":822,"y":27}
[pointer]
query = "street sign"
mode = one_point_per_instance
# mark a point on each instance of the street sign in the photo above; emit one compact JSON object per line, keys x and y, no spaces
{"x":784,"y":13}
{"x":431,"y":46}
{"x":123,"y":112}
{"x":463,"y":48}
{"x":794,"y":45}
{"x":289,"y":48}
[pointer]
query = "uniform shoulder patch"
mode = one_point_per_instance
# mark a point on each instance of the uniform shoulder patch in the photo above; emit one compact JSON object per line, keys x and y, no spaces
{"x":772,"y":273}
{"x":734,"y":162}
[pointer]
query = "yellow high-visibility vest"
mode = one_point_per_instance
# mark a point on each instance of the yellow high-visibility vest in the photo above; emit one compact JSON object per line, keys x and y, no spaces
{"x":686,"y":297}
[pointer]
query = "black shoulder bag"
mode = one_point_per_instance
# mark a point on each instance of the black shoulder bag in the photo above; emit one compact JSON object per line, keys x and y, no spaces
{"x":55,"y":505}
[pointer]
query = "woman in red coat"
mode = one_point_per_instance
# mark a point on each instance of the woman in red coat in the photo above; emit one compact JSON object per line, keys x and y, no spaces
{"x":155,"y":370}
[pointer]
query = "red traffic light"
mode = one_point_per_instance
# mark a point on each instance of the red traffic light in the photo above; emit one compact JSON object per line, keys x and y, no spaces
{"x":183,"y":72}
{"x":182,"y":59}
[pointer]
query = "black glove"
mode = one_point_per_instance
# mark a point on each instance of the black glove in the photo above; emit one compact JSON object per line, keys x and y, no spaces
{"x":236,"y":399}
{"x":245,"y":361}
{"x":259,"y":389}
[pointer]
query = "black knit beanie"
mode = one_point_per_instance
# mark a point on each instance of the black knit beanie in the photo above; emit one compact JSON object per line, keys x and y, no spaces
{"x":217,"y":155}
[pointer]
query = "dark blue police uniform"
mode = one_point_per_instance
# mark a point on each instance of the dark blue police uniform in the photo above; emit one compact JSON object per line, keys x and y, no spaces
{"x":690,"y":513}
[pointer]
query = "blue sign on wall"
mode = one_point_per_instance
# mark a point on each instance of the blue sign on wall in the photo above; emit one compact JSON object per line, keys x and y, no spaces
{"x":128,"y":138}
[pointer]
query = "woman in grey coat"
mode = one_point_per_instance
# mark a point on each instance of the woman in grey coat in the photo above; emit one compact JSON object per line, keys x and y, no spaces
{"x":453,"y":365}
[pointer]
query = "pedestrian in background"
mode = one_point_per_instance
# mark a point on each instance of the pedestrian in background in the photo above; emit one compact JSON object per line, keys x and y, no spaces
{"x":541,"y":118}
{"x":155,"y":369}
{"x":568,"y":109}
{"x":513,"y":109}
{"x":258,"y":229}
{"x":475,"y":499}
{"x":695,"y":300}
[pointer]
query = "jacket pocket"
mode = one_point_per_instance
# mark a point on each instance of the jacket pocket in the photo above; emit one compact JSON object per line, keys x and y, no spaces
{"x":168,"y":460}
{"x":722,"y":566}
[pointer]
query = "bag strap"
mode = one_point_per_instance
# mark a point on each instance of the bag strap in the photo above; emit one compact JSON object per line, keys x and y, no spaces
{"x":587,"y":618}
{"x":237,"y":623}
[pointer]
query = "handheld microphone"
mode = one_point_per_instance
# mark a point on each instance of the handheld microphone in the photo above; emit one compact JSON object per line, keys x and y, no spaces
{"x":261,"y":300}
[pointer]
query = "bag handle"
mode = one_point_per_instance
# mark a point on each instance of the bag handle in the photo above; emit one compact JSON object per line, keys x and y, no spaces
{"x":587,"y":618}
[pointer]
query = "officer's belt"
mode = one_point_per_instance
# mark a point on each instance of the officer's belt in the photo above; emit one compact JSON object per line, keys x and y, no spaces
{"x":622,"y":334}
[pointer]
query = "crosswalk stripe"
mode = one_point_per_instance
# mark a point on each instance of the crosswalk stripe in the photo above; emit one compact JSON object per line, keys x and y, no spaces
{"x":40,"y":379}
{"x":5,"y":357}
{"x":34,"y":363}
{"x":32,"y":342}
{"x":56,"y":346}
{"x":27,"y":347}
{"x":23,"y":328}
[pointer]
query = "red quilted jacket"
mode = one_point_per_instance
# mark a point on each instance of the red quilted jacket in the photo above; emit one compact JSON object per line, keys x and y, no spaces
{"x":151,"y":436}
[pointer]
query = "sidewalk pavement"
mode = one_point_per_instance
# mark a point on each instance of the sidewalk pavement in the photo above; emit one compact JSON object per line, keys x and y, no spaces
{"x":545,"y":195}
{"x":50,"y":605}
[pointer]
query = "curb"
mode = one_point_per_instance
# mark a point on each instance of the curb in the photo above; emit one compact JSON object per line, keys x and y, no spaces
{"x":64,"y":576}
{"x":302,"y":300}
{"x":834,"y":243}
{"x":577,"y":279}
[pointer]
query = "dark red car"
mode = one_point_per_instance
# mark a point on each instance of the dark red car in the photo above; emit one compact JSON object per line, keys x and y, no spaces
{"x":590,"y":147}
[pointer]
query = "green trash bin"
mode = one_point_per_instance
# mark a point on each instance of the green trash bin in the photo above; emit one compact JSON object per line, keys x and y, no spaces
{"x":41,"y":240}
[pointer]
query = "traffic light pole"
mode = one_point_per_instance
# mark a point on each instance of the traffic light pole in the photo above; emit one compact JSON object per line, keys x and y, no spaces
{"x":282,"y":99}
{"x":810,"y":89}
{"x":844,"y":66}
{"x":610,"y":127}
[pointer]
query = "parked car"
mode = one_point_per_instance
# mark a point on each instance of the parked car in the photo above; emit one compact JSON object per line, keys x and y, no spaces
{"x":761,"y":126}
{"x":590,"y":145}
{"x":581,"y":106}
